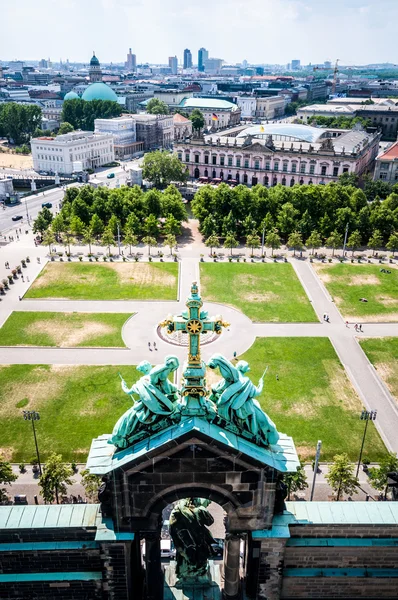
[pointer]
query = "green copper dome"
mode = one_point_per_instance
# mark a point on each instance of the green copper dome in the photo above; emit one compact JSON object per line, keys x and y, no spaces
{"x":71,"y":96}
{"x":94,"y":62}
{"x":99,"y":91}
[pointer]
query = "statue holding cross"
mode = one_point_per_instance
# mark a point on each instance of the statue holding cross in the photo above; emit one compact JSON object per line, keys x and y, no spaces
{"x":194,"y":322}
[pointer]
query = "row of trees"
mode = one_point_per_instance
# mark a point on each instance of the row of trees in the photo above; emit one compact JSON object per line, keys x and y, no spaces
{"x":81,"y":114}
{"x":155,"y":106}
{"x":339,"y":122}
{"x":18,"y":121}
{"x":102,"y":214}
{"x":303,"y":209}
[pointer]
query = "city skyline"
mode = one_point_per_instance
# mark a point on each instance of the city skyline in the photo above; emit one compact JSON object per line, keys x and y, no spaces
{"x":272,"y":31}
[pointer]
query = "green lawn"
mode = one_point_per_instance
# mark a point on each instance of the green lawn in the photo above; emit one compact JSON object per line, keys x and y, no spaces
{"x":76,"y":404}
{"x":312,"y":399}
{"x":106,"y":281}
{"x":383,"y":354}
{"x":265,"y":292}
{"x":63,"y":330}
{"x":347,"y":283}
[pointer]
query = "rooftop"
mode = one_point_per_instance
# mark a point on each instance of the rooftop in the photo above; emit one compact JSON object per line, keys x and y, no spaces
{"x":177,"y":118}
{"x":290,"y":131}
{"x":210,"y":103}
{"x":390,"y":153}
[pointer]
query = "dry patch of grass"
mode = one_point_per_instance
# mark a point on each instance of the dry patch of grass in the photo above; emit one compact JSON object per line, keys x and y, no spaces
{"x":383,"y":354}
{"x":141,"y":274}
{"x":387,"y":300}
{"x":364,"y":280}
{"x":68,"y":335}
{"x":259,"y":297}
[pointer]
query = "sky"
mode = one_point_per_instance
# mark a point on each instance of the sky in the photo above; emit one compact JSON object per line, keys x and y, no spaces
{"x":260,"y":31}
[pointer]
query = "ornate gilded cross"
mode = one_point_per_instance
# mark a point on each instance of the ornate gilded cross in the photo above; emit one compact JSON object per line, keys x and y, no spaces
{"x":194,"y":322}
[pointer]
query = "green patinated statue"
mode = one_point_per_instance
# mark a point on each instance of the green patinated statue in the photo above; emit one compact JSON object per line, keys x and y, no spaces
{"x":235,"y":396}
{"x":192,"y":539}
{"x":157,"y":401}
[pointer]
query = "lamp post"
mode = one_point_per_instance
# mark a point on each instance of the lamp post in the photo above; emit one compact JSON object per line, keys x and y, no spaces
{"x":262,"y":243}
{"x":118,"y":236}
{"x":345,"y":239}
{"x":32,"y":415}
{"x":365,"y":416}
{"x":318,"y":452}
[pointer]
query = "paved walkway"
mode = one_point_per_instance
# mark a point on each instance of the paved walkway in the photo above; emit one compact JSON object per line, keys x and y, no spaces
{"x":142,"y":328}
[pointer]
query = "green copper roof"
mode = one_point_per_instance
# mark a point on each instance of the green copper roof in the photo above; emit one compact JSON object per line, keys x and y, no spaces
{"x":94,"y":62}
{"x":99,"y":91}
{"x":208,"y":103}
{"x":71,"y":96}
{"x":103,"y":459}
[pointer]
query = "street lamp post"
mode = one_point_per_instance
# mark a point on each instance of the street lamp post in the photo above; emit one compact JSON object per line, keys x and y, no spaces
{"x":317,"y":455}
{"x":32,"y":415}
{"x":262,"y":244}
{"x":365,"y":416}
{"x":118,"y":236}
{"x":345,"y":239}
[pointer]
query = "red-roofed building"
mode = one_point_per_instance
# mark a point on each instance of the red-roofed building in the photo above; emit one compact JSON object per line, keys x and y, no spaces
{"x":386,"y":167}
{"x":182,"y":127}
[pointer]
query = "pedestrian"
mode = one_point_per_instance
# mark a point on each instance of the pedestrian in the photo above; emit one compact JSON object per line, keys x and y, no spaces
{"x":27,"y":278}
{"x":235,"y":354}
{"x":19,"y":298}
{"x":356,"y":327}
{"x":277,"y":377}
{"x":346,"y":324}
{"x":36,"y":500}
{"x":154,"y":345}
{"x":360,"y":328}
{"x":23,"y":281}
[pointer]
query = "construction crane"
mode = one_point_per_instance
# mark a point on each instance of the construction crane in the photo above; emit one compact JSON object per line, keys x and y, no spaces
{"x":335,"y":71}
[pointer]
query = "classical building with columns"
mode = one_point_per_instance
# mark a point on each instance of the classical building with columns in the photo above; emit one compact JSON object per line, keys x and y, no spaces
{"x":280,"y":153}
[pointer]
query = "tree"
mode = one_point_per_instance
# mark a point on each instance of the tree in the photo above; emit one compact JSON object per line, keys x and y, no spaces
{"x":56,"y":476}
{"x":76,"y":225}
{"x":81,"y":114}
{"x":48,"y":239}
{"x":376,"y":240}
{"x":287,"y":217}
{"x":6,"y":477}
{"x":157,"y":107}
{"x":161,"y":168}
{"x":253,"y":241}
{"x":295,"y":241}
{"x":231,"y":242}
{"x":392,"y":244}
{"x":108,"y":239}
{"x":19,"y":121}
{"x":88,"y":237}
{"x":273,"y":241}
{"x":130,"y":239}
{"x":354,"y":241}
{"x":96,"y":225}
{"x":378,"y":475}
{"x":248,"y":224}
{"x":149,"y":241}
{"x":341,"y":476}
{"x":171,"y":241}
{"x":314,"y":241}
{"x":335,"y":240}
{"x":42,"y":221}
{"x":58,"y":224}
{"x":198,"y":120}
{"x":151,"y":226}
{"x":172,"y":226}
{"x":213,"y":241}
{"x":296,"y":482}
{"x":91,"y":483}
{"x":65,"y":127}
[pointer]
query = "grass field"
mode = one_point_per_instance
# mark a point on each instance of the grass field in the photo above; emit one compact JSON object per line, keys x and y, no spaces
{"x":347,"y":283}
{"x":383,"y":354}
{"x":313,"y":398}
{"x":75,"y":404}
{"x":106,"y":281}
{"x":266,"y":292}
{"x":63,"y":330}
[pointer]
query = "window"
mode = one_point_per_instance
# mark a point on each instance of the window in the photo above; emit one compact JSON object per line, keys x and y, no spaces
{"x":196,"y":158}
{"x":312,"y":169}
{"x":246,"y":163}
{"x":302,"y":167}
{"x":276,"y":166}
{"x":335,"y":171}
{"x":283,"y":180}
{"x":245,"y":178}
{"x":294,"y":167}
{"x":345,"y":169}
{"x":222,"y":160}
{"x":214,"y":159}
{"x":230,"y":161}
{"x":180,"y":156}
{"x":206,"y":159}
{"x":267,"y":166}
{"x":285,"y":164}
{"x":323,"y":170}
{"x":238,"y":162}
{"x":383,"y":175}
{"x":187,"y":158}
{"x":257,"y":164}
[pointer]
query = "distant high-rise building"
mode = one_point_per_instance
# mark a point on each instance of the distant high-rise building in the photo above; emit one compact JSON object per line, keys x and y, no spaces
{"x":327,"y":64}
{"x":296,"y":65}
{"x":94,"y":72}
{"x":203,"y":55}
{"x":173,"y":64}
{"x":43,"y":64}
{"x":187,"y":59}
{"x":131,"y":63}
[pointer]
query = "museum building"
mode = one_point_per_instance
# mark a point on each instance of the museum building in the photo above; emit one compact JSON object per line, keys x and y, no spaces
{"x":280,"y":153}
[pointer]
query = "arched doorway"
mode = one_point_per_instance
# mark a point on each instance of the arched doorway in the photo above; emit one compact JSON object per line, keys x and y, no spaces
{"x":283,"y":180}
{"x":196,"y":173}
{"x":275,"y":181}
{"x":266,"y":180}
{"x":214,"y":174}
{"x":206,"y":173}
{"x":237,"y":177}
{"x":292,"y":182}
{"x":221,"y":175}
{"x":254,"y":181}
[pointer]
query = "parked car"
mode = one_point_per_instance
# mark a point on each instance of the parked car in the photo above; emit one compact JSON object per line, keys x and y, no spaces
{"x":110,"y":175}
{"x":17,"y":217}
{"x":46,"y":205}
{"x":20,"y":499}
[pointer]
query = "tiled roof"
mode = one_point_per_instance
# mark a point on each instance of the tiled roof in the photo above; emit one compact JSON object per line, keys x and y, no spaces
{"x":391,"y":153}
{"x":177,"y":118}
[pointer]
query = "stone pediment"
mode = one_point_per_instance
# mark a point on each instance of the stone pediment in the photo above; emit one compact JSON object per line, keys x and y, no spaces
{"x":257,"y":147}
{"x":103,"y":457}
